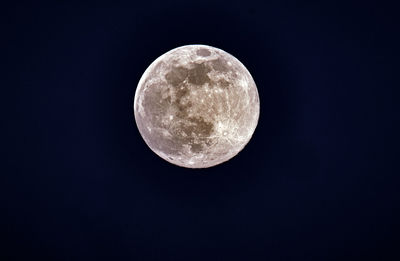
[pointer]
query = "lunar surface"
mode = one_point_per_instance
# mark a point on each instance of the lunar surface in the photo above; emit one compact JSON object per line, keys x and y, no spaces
{"x":196,"y":106}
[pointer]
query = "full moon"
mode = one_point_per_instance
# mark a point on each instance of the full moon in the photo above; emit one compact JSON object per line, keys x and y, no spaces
{"x":196,"y":106}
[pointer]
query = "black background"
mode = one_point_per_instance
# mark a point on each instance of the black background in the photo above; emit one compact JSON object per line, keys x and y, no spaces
{"x":316,"y":182}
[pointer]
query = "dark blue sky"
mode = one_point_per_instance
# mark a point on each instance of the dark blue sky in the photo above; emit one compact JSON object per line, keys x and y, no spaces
{"x":318,"y":180}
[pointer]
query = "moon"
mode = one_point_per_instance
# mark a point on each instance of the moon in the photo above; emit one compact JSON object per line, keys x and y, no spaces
{"x":196,"y":106}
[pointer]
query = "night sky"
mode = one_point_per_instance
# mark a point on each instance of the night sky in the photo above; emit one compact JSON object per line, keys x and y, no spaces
{"x":318,"y":180}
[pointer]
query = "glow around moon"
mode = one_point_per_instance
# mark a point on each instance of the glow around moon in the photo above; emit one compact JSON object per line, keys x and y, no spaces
{"x":196,"y":106}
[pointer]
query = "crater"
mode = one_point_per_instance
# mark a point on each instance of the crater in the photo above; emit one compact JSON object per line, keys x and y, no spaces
{"x":203,"y":52}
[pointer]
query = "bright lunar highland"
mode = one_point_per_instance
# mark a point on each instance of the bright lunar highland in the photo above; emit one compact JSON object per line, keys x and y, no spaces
{"x":196,"y":106}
